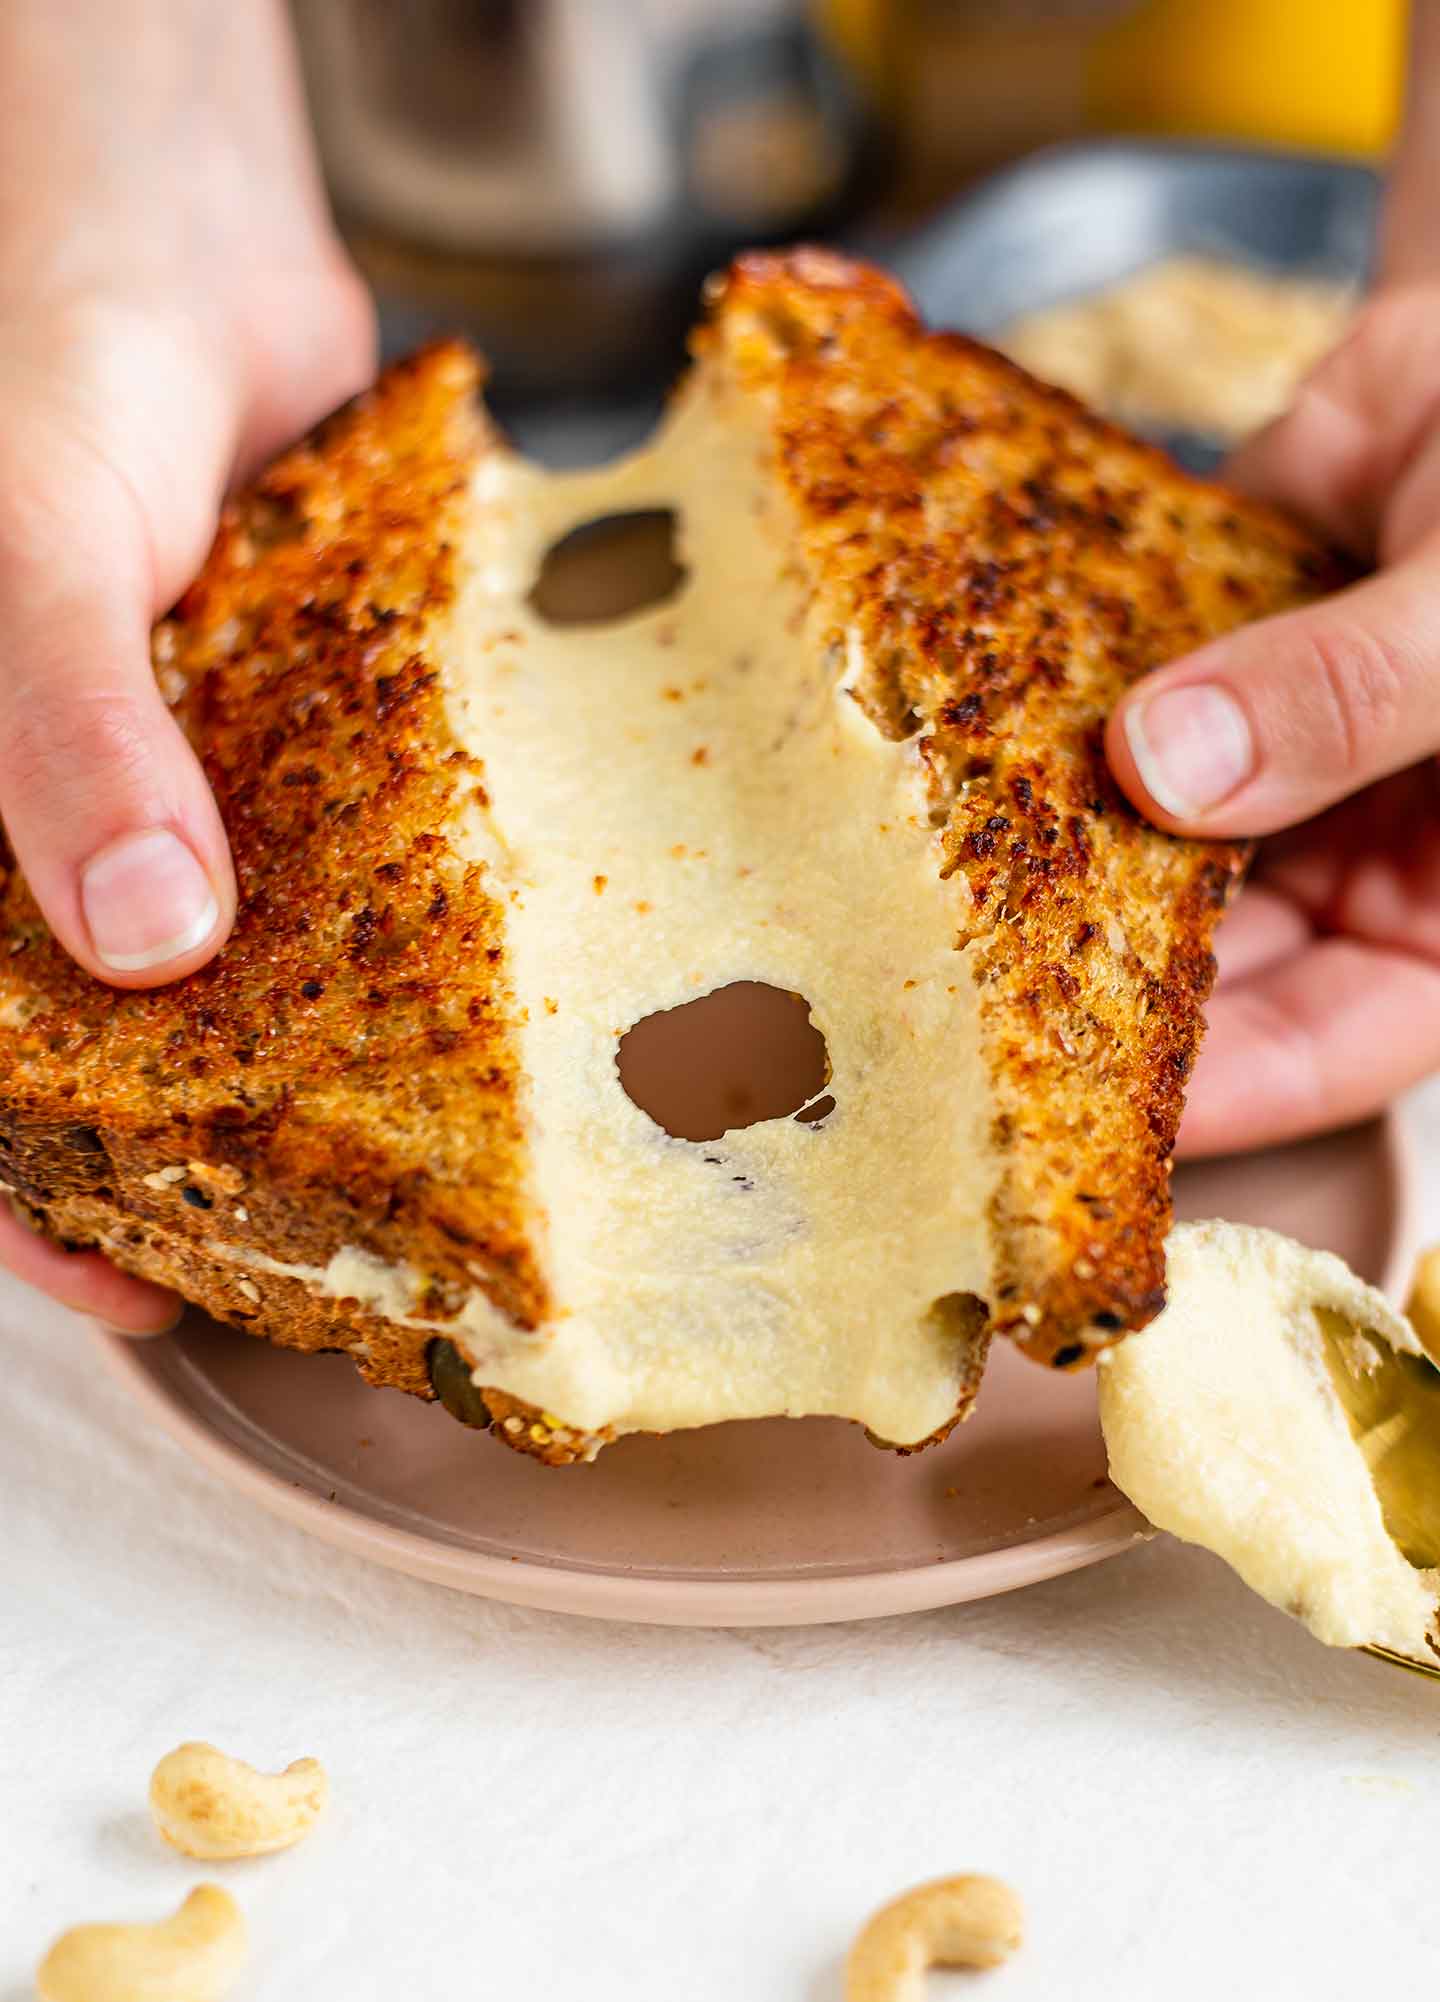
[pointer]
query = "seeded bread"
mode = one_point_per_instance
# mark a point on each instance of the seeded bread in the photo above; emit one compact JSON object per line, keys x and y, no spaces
{"x":348,"y":1072}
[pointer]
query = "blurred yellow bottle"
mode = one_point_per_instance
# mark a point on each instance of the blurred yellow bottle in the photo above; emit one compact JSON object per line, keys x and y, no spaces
{"x":973,"y":79}
{"x":1326,"y":74}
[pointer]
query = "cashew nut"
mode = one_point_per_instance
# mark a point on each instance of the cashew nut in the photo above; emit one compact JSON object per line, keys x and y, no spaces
{"x":210,"y":1805}
{"x":954,"y":1922}
{"x":192,"y":1957}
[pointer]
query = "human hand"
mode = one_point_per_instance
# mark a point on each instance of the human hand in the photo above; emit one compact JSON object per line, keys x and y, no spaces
{"x":174,"y":307}
{"x":1319,"y":730}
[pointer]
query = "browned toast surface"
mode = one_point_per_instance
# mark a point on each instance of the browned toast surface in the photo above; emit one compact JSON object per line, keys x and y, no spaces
{"x":346,"y":1073}
{"x":1012,"y":563}
{"x":343,"y":1072}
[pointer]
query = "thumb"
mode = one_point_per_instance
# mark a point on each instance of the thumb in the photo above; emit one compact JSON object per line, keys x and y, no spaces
{"x":104,"y":803}
{"x":1280,"y":720}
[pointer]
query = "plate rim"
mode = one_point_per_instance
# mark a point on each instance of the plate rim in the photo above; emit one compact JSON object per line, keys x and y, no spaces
{"x":588,"y":1593}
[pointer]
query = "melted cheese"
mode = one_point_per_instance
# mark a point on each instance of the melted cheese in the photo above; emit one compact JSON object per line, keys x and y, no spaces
{"x":1276,"y":1414}
{"x":679,"y":800}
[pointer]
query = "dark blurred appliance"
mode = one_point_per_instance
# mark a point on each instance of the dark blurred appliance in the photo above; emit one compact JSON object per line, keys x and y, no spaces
{"x":557,"y":175}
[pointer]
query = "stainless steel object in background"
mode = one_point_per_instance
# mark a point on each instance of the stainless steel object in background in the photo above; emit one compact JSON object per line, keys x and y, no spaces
{"x":556,"y":175}
{"x":1074,"y":219}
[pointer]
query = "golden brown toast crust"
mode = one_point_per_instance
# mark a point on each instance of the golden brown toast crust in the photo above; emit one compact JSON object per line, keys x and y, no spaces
{"x":345,"y":1073}
{"x":1012,"y":563}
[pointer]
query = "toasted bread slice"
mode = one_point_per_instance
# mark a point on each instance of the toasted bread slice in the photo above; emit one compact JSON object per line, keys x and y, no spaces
{"x":855,"y":756}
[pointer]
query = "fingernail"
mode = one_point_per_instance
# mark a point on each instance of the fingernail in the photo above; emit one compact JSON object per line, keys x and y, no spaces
{"x":146,"y":900}
{"x":1191,"y":745}
{"x":148,"y":1334}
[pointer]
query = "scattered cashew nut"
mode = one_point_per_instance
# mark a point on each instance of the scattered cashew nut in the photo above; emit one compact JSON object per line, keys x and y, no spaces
{"x":954,"y":1922}
{"x":193,"y":1956}
{"x":210,"y":1805}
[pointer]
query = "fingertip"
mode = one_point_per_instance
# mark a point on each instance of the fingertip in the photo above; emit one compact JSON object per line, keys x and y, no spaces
{"x":1124,"y":748}
{"x":113,"y":824}
{"x":151,"y":909}
{"x":147,"y":1320}
{"x":1119,"y":756}
{"x":85,"y":1281}
{"x":1180,"y":750}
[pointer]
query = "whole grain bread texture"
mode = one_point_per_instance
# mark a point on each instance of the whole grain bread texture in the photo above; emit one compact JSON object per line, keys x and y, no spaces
{"x":345,"y":1073}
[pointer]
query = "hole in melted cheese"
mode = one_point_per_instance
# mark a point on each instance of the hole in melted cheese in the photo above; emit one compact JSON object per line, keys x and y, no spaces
{"x":745,"y":1053}
{"x":608,"y":568}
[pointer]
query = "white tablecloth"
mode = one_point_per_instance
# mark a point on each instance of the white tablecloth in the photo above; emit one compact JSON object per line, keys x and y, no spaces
{"x":1193,"y":1798}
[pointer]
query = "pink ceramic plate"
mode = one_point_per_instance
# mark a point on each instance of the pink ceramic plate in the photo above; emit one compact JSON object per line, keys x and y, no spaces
{"x":773,"y":1523}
